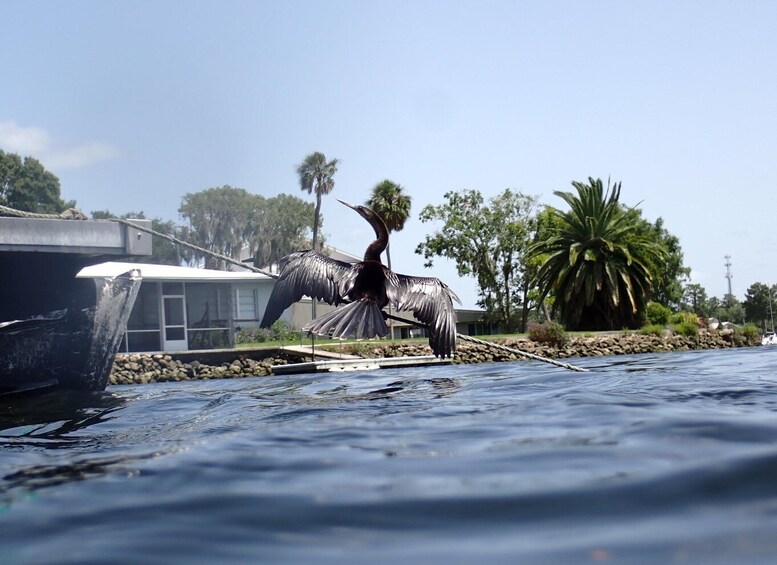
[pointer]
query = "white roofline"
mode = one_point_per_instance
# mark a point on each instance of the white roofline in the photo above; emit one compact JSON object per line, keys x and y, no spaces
{"x":152,"y":272}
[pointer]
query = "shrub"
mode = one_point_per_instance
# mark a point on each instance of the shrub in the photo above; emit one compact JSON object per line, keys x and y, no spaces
{"x":684,"y":318}
{"x":550,"y":333}
{"x":657,"y":314}
{"x":252,"y":335}
{"x":688,"y":329}
{"x":283,"y":331}
{"x":751,"y":334}
{"x":279,"y":331}
{"x":652,"y":329}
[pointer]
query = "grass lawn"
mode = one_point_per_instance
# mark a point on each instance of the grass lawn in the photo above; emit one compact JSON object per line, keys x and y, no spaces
{"x":323,"y":341}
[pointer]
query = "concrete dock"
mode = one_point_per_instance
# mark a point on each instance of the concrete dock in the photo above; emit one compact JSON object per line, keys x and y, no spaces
{"x":83,"y":237}
{"x":358,"y":364}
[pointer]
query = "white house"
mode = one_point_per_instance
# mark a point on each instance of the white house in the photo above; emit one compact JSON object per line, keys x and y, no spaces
{"x":186,"y":308}
{"x":182,"y":308}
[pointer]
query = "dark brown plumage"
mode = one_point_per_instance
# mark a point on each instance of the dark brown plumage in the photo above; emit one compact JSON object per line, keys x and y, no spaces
{"x":365,"y":288}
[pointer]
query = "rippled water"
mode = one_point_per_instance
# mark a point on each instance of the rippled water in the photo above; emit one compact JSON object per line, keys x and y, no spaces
{"x":654,"y":458}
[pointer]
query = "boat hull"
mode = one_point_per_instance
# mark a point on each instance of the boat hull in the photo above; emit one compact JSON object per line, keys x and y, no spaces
{"x":72,"y":346}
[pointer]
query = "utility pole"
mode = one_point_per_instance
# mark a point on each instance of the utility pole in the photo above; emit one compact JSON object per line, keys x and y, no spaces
{"x":729,"y":274}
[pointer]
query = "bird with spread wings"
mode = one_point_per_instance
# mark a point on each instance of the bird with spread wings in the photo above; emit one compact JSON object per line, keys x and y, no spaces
{"x":361,"y":290}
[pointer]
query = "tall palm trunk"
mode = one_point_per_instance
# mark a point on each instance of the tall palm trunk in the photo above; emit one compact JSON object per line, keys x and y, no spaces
{"x":315,"y":221}
{"x":315,"y":248}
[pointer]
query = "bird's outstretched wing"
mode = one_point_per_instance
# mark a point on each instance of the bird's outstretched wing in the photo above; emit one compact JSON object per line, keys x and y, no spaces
{"x":305,"y":273}
{"x":431,"y":302}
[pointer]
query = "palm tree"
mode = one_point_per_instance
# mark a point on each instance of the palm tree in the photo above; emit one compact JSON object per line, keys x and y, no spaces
{"x":390,"y":202}
{"x":599,"y":265}
{"x":316,"y":174}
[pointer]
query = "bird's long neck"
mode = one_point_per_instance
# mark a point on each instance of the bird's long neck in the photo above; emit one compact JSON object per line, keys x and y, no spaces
{"x":378,"y":246}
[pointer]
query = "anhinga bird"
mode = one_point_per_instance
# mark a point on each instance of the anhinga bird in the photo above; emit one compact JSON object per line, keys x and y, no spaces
{"x":365,"y":288}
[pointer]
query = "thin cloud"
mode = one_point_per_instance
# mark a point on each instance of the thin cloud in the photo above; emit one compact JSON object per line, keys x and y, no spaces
{"x":81,"y":156}
{"x":23,"y":140}
{"x":36,"y":142}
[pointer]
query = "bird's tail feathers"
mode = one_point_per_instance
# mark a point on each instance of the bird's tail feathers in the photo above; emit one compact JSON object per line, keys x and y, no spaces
{"x":362,"y":319}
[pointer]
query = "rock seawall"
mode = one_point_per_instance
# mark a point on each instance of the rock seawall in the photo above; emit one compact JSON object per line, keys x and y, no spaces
{"x":141,"y":368}
{"x":136,"y":368}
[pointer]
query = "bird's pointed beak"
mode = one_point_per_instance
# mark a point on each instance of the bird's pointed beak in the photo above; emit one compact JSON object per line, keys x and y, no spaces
{"x":351,"y":206}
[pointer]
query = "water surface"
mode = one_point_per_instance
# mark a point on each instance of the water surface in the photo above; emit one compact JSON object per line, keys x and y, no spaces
{"x":665,"y":458}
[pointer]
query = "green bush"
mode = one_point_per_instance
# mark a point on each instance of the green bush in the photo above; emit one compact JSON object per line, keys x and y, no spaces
{"x":283,"y":331}
{"x":252,"y":335}
{"x":550,"y":333}
{"x":750,"y":334}
{"x":279,"y":331}
{"x":688,"y":329}
{"x":657,"y":314}
{"x":684,"y":318}
{"x":652,"y":329}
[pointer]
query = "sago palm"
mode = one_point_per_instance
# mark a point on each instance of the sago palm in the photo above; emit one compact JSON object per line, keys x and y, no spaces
{"x":598,"y":266}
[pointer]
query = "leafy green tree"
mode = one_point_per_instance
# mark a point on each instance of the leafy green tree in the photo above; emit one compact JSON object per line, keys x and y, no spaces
{"x":391,"y":203}
{"x":487,"y":241}
{"x":233,"y":222}
{"x":281,"y":224}
{"x":316,"y":174}
{"x":731,"y":310}
{"x":695,"y":298}
{"x":670,"y":273}
{"x":758,"y":299}
{"x":600,"y":265}
{"x":26,"y":185}
{"x":713,"y":306}
{"x":219,"y":220}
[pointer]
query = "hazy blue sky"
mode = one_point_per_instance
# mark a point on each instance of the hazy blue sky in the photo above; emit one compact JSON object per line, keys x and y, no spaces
{"x":133,"y":104}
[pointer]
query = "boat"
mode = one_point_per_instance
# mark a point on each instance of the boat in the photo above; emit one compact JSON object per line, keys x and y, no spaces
{"x":769,"y":337}
{"x":59,"y":330}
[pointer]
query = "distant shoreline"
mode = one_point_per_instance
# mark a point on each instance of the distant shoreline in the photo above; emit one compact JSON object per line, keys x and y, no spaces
{"x":141,"y":368}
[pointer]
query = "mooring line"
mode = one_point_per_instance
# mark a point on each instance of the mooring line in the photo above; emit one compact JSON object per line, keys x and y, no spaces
{"x":523,"y":353}
{"x":183,"y":243}
{"x":69,"y":214}
{"x":520,"y":352}
{"x":73,"y":214}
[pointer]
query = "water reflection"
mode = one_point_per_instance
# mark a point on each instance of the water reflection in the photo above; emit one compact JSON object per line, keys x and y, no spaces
{"x":53,"y":417}
{"x":36,"y":477}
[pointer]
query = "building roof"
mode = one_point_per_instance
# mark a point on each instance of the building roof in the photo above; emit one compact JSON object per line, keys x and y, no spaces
{"x":151,"y":272}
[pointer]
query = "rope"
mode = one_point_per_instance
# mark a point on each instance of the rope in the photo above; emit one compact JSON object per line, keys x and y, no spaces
{"x":69,"y":214}
{"x":194,"y":247}
{"x":520,"y":352}
{"x":73,"y":214}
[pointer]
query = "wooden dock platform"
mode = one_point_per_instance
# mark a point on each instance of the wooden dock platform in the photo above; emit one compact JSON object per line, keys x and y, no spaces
{"x":358,"y":364}
{"x":322,"y":353}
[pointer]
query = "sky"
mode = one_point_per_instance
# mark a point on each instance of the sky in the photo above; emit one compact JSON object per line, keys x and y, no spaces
{"x":133,"y":104}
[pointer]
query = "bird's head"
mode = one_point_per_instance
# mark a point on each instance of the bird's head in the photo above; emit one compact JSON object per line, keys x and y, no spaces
{"x":367,"y":213}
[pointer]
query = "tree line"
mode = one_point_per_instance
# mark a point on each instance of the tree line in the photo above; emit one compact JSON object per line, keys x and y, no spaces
{"x":594,"y":264}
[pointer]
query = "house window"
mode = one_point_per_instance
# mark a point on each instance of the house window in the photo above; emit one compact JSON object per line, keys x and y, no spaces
{"x":143,"y":333}
{"x":208,"y":325}
{"x":482,"y":328}
{"x":245,"y":303}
